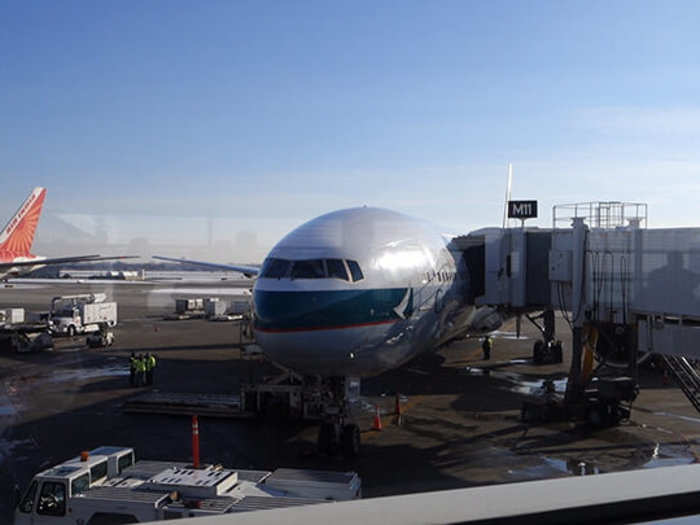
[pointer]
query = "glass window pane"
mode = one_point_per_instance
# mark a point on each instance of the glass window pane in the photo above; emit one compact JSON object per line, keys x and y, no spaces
{"x":336,"y":269}
{"x":52,"y":500}
{"x":355,"y":271}
{"x":98,"y":471}
{"x":80,"y":485}
{"x":28,"y":500}
{"x":275,"y":268}
{"x":308,"y":269}
{"x":125,"y":462}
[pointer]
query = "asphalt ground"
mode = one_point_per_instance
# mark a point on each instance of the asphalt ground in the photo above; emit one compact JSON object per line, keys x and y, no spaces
{"x":461,"y":424}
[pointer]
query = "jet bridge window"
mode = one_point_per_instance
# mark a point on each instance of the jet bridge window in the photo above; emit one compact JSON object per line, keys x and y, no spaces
{"x":275,"y":268}
{"x":336,"y":269}
{"x":312,"y":269}
{"x":355,"y":271}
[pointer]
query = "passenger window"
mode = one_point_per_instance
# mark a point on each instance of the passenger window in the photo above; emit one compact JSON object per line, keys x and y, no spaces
{"x":98,"y":471}
{"x":27,"y":503}
{"x":312,"y":269}
{"x":355,"y":271}
{"x":275,"y":268}
{"x":80,"y":485}
{"x":336,"y":269}
{"x":52,"y":500}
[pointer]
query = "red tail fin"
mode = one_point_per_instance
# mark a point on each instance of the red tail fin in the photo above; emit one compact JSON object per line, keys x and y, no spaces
{"x":18,"y":235}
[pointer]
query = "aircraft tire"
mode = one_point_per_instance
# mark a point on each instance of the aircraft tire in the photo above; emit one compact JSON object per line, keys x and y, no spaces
{"x":558,"y":352}
{"x":351,"y":440}
{"x":537,"y":352}
{"x":325,"y":438}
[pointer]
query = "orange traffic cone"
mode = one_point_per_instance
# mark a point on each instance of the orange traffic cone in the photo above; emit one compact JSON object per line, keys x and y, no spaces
{"x":377,"y":420}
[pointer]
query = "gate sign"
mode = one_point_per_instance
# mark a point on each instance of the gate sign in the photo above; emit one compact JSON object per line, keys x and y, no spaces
{"x":522,"y":209}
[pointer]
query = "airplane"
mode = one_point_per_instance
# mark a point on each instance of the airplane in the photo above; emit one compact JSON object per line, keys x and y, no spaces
{"x":17,"y":237}
{"x":359,"y":291}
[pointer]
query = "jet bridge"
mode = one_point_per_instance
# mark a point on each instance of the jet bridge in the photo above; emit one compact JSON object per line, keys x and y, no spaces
{"x":624,"y":289}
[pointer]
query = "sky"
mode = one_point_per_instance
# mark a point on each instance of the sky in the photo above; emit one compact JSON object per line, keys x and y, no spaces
{"x":210,"y":129}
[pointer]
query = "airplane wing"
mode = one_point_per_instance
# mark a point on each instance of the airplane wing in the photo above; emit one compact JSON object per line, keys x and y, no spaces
{"x":62,"y":260}
{"x":248,"y":271}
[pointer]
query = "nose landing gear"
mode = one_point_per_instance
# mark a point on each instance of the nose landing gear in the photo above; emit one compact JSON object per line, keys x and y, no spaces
{"x":338,"y":433}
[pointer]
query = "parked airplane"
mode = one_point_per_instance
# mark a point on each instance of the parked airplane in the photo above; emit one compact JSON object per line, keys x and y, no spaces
{"x":18,"y":235}
{"x":359,"y":291}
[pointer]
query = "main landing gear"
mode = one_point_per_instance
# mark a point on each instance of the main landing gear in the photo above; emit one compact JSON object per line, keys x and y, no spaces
{"x":338,"y":433}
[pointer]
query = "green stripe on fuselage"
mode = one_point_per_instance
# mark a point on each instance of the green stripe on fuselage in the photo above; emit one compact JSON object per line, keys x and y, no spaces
{"x":327,"y":309}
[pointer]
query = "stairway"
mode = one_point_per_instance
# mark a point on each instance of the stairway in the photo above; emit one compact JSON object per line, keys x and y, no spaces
{"x":685,"y":375}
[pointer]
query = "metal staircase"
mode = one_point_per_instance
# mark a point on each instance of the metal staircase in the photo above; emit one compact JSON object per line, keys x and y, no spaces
{"x":686,"y":376}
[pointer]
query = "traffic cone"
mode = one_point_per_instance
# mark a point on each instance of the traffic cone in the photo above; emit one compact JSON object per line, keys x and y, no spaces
{"x":377,"y":420}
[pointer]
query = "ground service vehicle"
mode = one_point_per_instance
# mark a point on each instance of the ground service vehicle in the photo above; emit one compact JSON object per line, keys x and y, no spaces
{"x":108,"y":486}
{"x":78,"y":314}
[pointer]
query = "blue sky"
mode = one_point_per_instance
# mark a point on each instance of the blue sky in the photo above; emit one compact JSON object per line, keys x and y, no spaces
{"x":259,"y":115}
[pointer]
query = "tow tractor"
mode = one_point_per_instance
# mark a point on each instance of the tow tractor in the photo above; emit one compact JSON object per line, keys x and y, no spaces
{"x":107,"y":485}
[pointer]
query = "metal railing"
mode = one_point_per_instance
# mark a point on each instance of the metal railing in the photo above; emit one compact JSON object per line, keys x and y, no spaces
{"x":600,"y":214}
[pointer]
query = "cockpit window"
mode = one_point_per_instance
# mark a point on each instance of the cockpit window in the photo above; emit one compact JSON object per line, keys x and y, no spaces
{"x":312,"y":269}
{"x":355,"y":271}
{"x":336,"y":269}
{"x":275,"y":268}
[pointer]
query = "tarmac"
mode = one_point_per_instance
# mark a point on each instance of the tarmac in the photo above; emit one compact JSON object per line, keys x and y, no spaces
{"x":461,"y":424}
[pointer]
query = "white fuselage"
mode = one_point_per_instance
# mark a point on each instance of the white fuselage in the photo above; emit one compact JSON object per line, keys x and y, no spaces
{"x":314,"y":317}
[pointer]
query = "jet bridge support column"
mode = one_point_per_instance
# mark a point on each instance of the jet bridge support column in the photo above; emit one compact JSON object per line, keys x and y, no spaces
{"x":574,"y":389}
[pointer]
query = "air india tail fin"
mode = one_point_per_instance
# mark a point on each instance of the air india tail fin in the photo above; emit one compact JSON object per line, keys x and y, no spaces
{"x":18,"y":235}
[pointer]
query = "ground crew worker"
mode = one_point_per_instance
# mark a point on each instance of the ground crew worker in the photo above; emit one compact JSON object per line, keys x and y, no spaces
{"x":141,"y":370}
{"x":149,"y":369}
{"x":486,"y":347}
{"x":132,"y":369}
{"x":152,"y":367}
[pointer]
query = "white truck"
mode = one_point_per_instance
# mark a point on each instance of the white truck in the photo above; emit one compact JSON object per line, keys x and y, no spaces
{"x":78,"y":314}
{"x":107,"y":486}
